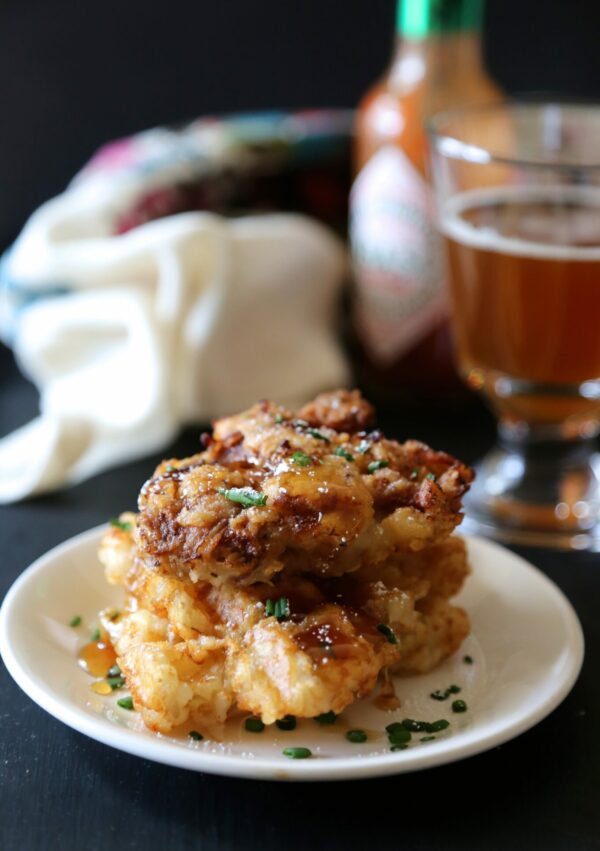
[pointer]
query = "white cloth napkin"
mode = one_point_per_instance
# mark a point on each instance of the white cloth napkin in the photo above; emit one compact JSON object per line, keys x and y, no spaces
{"x":178,"y":321}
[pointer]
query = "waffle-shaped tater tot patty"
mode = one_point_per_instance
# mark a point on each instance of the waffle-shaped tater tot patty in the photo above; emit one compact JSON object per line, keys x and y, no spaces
{"x":299,"y":645}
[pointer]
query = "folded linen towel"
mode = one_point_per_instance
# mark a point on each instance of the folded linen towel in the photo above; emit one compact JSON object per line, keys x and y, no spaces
{"x":129,"y":336}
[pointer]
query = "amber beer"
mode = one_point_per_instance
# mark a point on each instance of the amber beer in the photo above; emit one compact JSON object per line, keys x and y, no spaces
{"x":524,"y":274}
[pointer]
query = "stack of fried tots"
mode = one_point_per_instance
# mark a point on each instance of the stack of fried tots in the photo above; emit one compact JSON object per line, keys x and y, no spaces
{"x":286,"y":566}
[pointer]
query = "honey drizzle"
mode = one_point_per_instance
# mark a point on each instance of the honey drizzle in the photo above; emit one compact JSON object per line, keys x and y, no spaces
{"x":97,"y":657}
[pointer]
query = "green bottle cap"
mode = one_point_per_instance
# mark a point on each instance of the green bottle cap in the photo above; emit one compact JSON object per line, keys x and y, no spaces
{"x":418,"y":18}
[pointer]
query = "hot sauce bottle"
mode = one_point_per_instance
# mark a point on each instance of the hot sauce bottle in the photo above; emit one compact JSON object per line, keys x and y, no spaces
{"x":399,"y":304}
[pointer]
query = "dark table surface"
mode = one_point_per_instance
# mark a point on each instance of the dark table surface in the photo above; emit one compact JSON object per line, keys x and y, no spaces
{"x":61,"y":790}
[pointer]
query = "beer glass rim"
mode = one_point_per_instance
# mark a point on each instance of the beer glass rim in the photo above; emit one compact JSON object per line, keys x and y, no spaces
{"x":451,"y":146}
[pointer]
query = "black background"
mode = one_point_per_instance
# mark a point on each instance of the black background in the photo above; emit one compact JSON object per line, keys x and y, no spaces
{"x":73,"y":75}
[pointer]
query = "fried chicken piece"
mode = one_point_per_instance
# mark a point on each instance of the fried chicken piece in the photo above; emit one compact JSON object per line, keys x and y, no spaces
{"x":272,"y":490}
{"x":343,"y":410}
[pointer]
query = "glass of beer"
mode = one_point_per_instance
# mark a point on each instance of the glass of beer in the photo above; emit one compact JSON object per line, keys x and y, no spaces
{"x":517,"y":188}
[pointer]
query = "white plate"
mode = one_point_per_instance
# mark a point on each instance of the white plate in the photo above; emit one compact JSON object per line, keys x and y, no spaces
{"x":526,"y":644}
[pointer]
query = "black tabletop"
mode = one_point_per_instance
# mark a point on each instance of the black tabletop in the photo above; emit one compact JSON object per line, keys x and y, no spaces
{"x":61,"y":790}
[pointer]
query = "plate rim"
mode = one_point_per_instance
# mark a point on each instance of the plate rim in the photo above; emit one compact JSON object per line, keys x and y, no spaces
{"x":261,"y":768}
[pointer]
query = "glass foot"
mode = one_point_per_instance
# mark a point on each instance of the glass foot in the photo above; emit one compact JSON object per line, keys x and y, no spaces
{"x":544,"y":493}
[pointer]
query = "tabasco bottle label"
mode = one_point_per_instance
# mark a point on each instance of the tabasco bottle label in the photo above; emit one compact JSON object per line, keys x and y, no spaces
{"x":399,"y":295}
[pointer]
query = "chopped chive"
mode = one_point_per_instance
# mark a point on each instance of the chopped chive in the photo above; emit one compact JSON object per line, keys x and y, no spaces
{"x":318,"y":434}
{"x":343,"y":453}
{"x":288,"y":722}
{"x":399,"y":747}
{"x":427,"y":739}
{"x":125,"y":703}
{"x":254,"y":725}
{"x":195,"y":735}
{"x":95,"y":634}
{"x":75,"y":621}
{"x":459,"y":706}
{"x":414,"y":474}
{"x":169,"y":468}
{"x":413,"y":726}
{"x":115,"y":682}
{"x":326,"y":718}
{"x":444,"y":695}
{"x":399,"y":736}
{"x":301,"y":458}
{"x":377,"y":465}
{"x":123,"y":525}
{"x":244,"y":496}
{"x":388,"y":632}
{"x":300,"y":423}
{"x":397,"y":725}
{"x":279,"y":419}
{"x":296,"y":753}
{"x":363,"y":447}
{"x":431,"y":477}
{"x":113,"y":671}
{"x":436,"y":726}
{"x":468,"y":660}
{"x":279,"y":609}
{"x":357,"y":737}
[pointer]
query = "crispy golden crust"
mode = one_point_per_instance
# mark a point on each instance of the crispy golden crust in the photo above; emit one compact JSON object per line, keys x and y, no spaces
{"x":335,"y":497}
{"x":193,"y":652}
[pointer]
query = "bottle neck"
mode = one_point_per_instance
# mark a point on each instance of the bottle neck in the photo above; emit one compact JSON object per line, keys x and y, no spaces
{"x":439,"y":44}
{"x":418,"y":19}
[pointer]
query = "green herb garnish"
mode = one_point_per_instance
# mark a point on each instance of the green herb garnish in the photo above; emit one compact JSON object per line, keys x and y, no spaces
{"x":254,"y":725}
{"x":300,"y":423}
{"x":459,"y":706}
{"x":413,"y":726}
{"x":343,"y":453}
{"x":125,"y":703}
{"x":115,"y":682}
{"x":318,"y":434}
{"x":296,"y":753}
{"x":245,"y":496}
{"x":169,"y":468}
{"x":301,"y":458}
{"x":357,"y":737}
{"x":388,"y":632}
{"x":95,"y":634}
{"x":279,"y":609}
{"x":113,"y":671}
{"x":468,"y":660}
{"x":431,"y":477}
{"x":195,"y":735}
{"x":444,"y":695}
{"x":288,"y":722}
{"x":75,"y":621}
{"x":363,"y":447}
{"x":377,"y":465}
{"x":427,"y":739}
{"x":436,"y":726}
{"x":399,"y":735}
{"x":398,"y":747}
{"x":414,"y":474}
{"x":123,"y":525}
{"x":279,"y":419}
{"x":326,"y":718}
